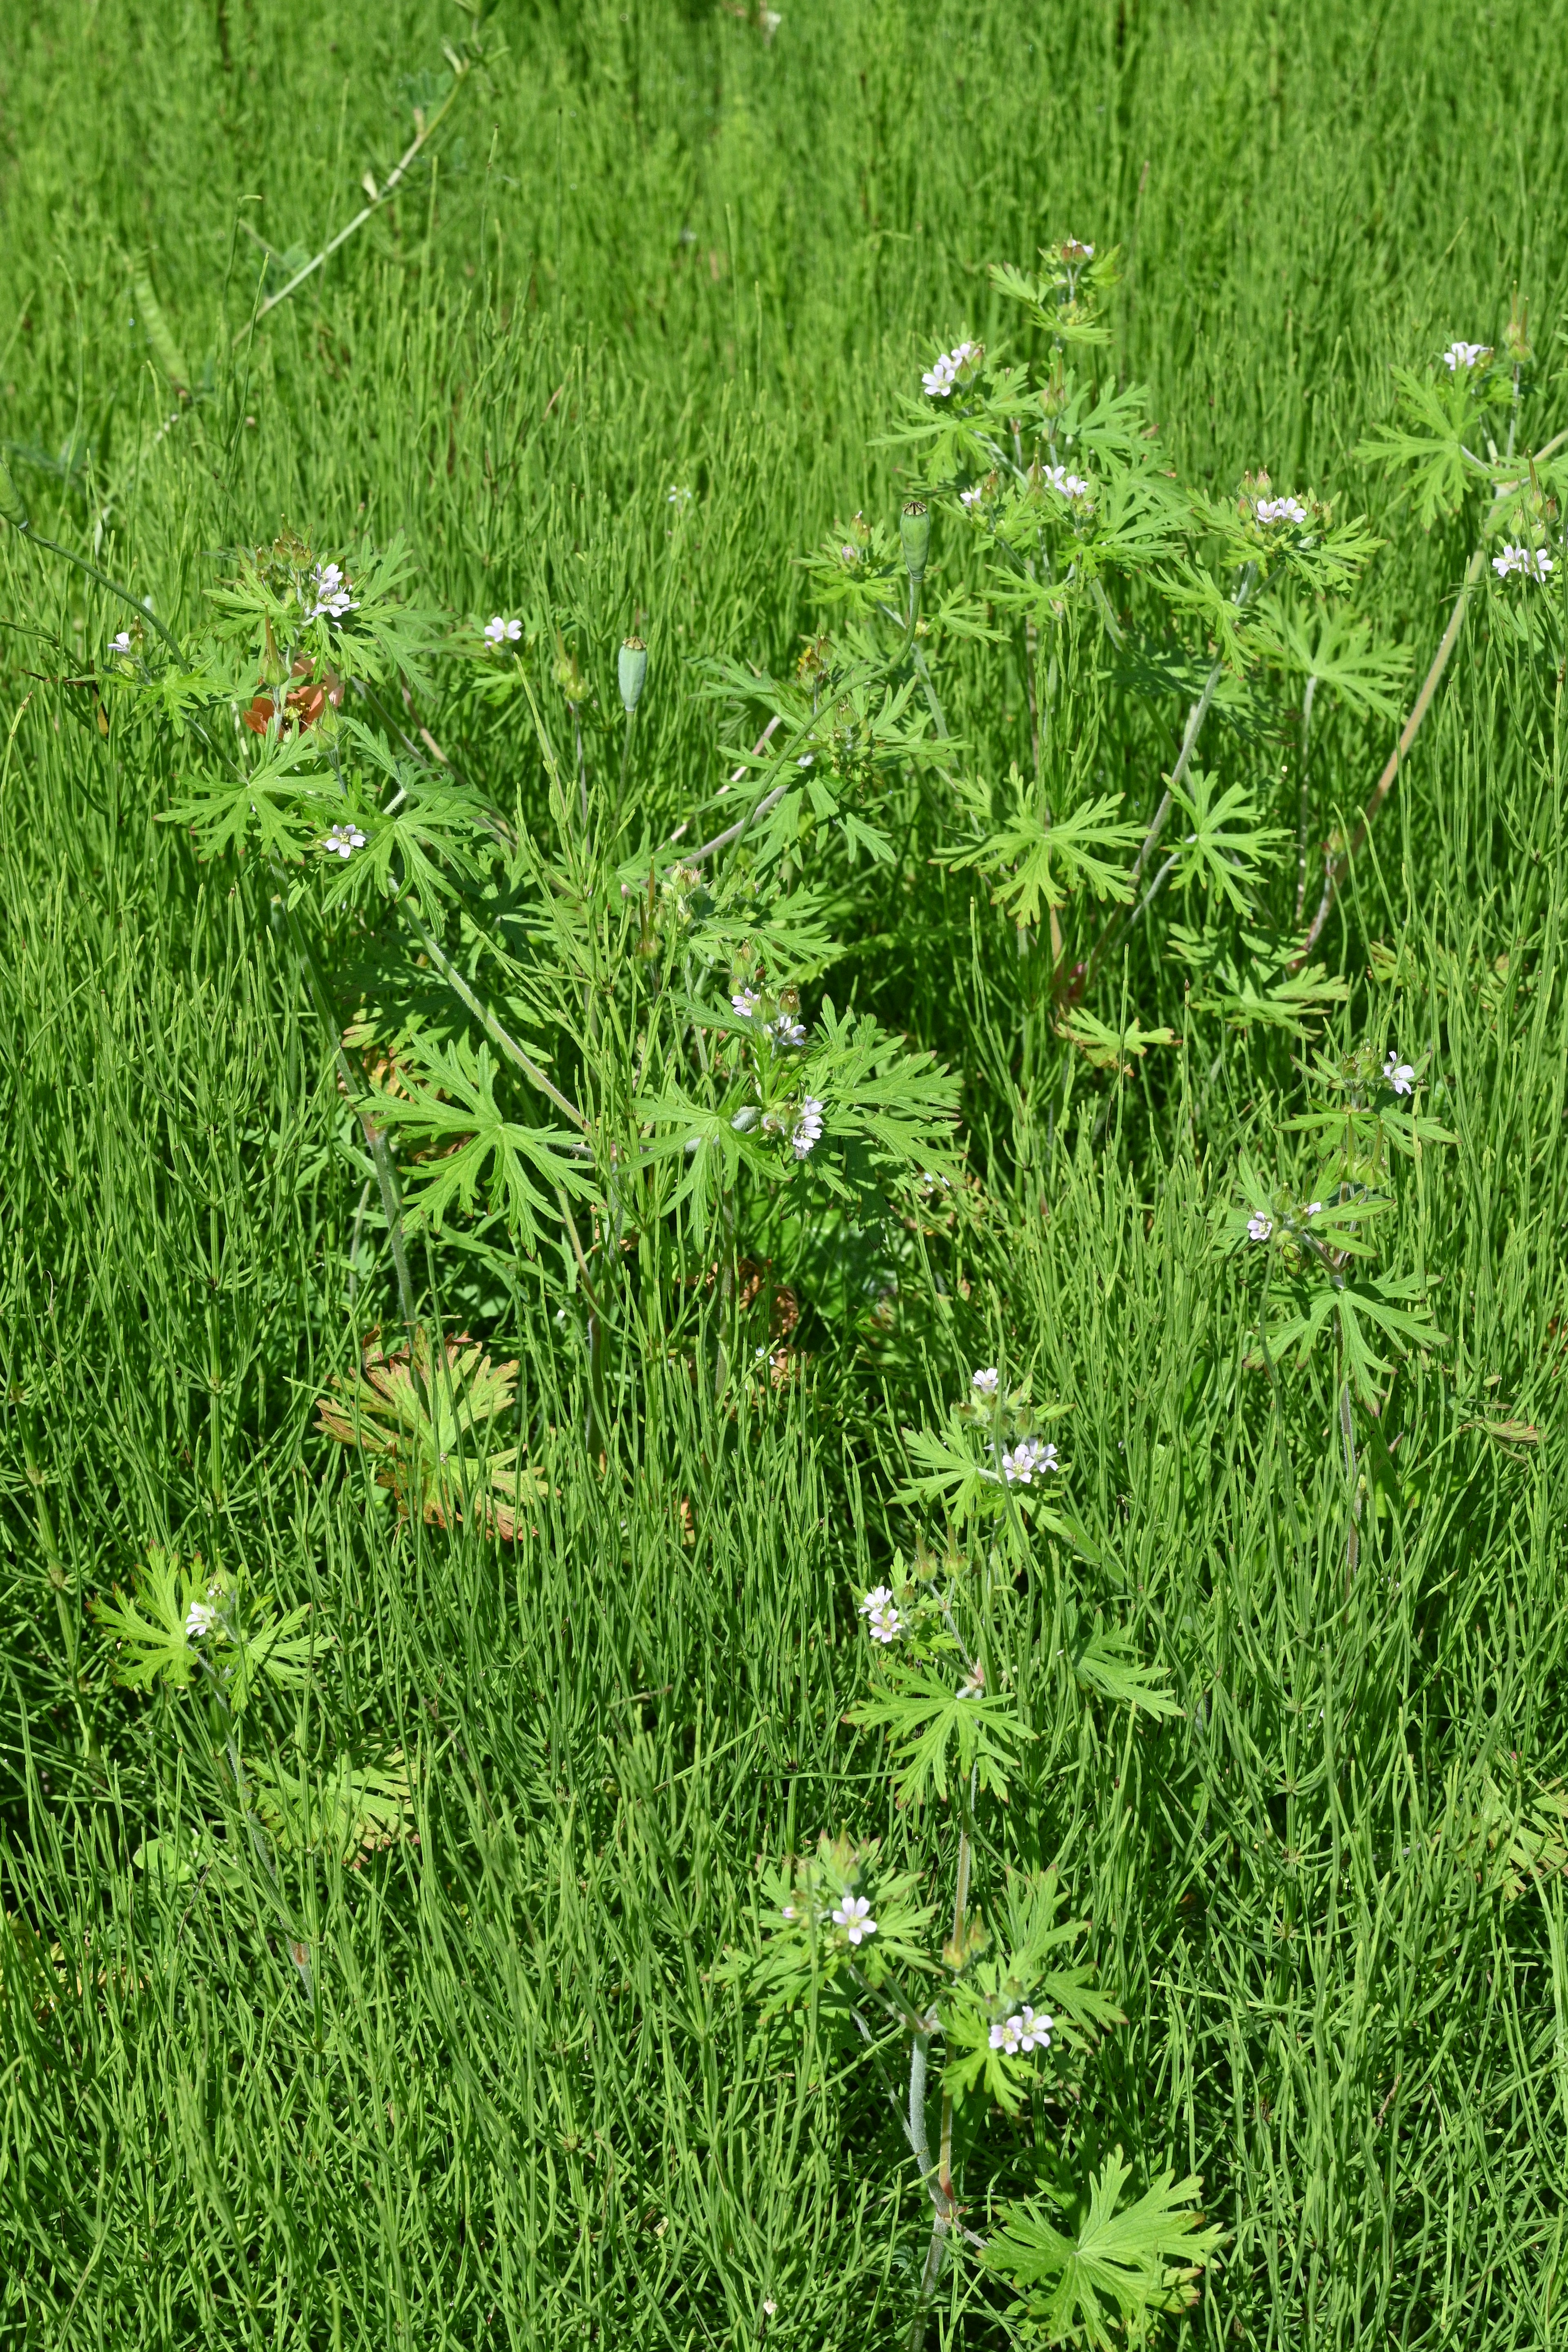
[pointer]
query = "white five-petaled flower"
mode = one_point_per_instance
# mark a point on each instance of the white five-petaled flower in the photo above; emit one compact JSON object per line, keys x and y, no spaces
{"x":854,"y":1915}
{"x":1006,"y":2034}
{"x":200,"y":1619}
{"x":1260,"y":1227}
{"x":883,"y":1622}
{"x":939,"y":379}
{"x":1401,"y":1076}
{"x":788,"y":1911}
{"x":1533,"y":561}
{"x":783,"y":1030}
{"x":807,"y":1127}
{"x":769,"y":2305}
{"x":1068,"y":486}
{"x":343,"y":840}
{"x":1464,"y":355}
{"x":1269,"y":510}
{"x":745,"y":1002}
{"x":1036,"y":2031}
{"x":676,"y":496}
{"x":972,"y":495}
{"x":1022,"y":1461}
{"x":332,"y":595}
{"x":500,"y":631}
{"x":1315,"y":1208}
{"x":987,"y":1379}
{"x":121,"y":643}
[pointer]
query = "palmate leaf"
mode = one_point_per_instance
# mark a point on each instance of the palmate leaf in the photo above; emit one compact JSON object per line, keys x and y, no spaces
{"x":1032,"y":859}
{"x":450,"y":1108}
{"x":1108,"y":1048}
{"x":287,"y":801}
{"x":1226,"y":841}
{"x":934,"y":1729}
{"x":1266,"y":993}
{"x":1430,"y":441}
{"x":425,"y":1417}
{"x":1335,"y":646}
{"x":1107,"y":1662}
{"x":1118,"y":2270}
{"x":1383,"y":1303}
{"x":247,"y":1641}
{"x":349,"y":1810}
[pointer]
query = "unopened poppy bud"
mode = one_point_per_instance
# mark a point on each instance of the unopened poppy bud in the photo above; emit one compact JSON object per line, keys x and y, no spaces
{"x":914,"y":530}
{"x":11,"y":506}
{"x":633,"y":668}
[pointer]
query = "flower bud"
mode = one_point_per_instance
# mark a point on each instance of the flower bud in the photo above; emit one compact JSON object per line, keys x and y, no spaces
{"x":11,"y":506}
{"x":633,"y":668}
{"x":914,"y":530}
{"x":1516,"y":335}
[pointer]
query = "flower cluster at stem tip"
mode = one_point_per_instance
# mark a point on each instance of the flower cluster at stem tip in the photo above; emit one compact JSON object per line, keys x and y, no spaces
{"x":1533,"y":561}
{"x":883,"y":1622}
{"x":940,"y":379}
{"x":343,"y":841}
{"x":1466,"y":355}
{"x":1023,"y":2031}
{"x":330,"y":591}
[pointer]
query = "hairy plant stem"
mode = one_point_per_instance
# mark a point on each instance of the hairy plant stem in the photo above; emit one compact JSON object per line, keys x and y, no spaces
{"x":944,"y":2202}
{"x":360,"y":1096}
{"x":1341,"y":865}
{"x":1118,"y":926}
{"x":1306,"y":808}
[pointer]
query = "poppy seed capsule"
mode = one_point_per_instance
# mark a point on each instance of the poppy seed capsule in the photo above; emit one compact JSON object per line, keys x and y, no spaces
{"x":11,"y":506}
{"x":633,"y":667}
{"x":914,"y":530}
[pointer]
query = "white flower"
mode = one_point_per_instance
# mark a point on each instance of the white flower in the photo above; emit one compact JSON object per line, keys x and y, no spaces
{"x":785,"y":1032}
{"x":938,"y":380}
{"x":973,"y":496}
{"x":808,"y":1127}
{"x":1464,"y":355}
{"x":1533,"y":561}
{"x":1019,"y":1465}
{"x":675,"y":496}
{"x":806,"y":758}
{"x":121,"y":643}
{"x":849,"y":551}
{"x":987,"y":1379}
{"x":973,"y":1683}
{"x":883,"y":1622}
{"x":769,"y":2305}
{"x":331,"y":592}
{"x":1315,"y":1208}
{"x":788,"y":1911}
{"x":1036,"y":2031}
{"x":1007,"y":2035}
{"x":854,"y":1915}
{"x":1400,"y":1075}
{"x":1258,"y":1228}
{"x":1069,"y":486}
{"x":500,"y":631}
{"x":746,"y":1003}
{"x":1281,"y":511}
{"x":343,"y":840}
{"x":200,"y":1620}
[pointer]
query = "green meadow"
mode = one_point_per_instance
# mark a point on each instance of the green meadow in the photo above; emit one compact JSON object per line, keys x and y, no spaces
{"x":415,"y":1992}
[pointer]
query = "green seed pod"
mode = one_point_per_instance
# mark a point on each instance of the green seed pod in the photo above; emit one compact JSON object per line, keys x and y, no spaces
{"x":633,"y":668}
{"x":914,"y":530}
{"x":166,"y":350}
{"x":11,"y":506}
